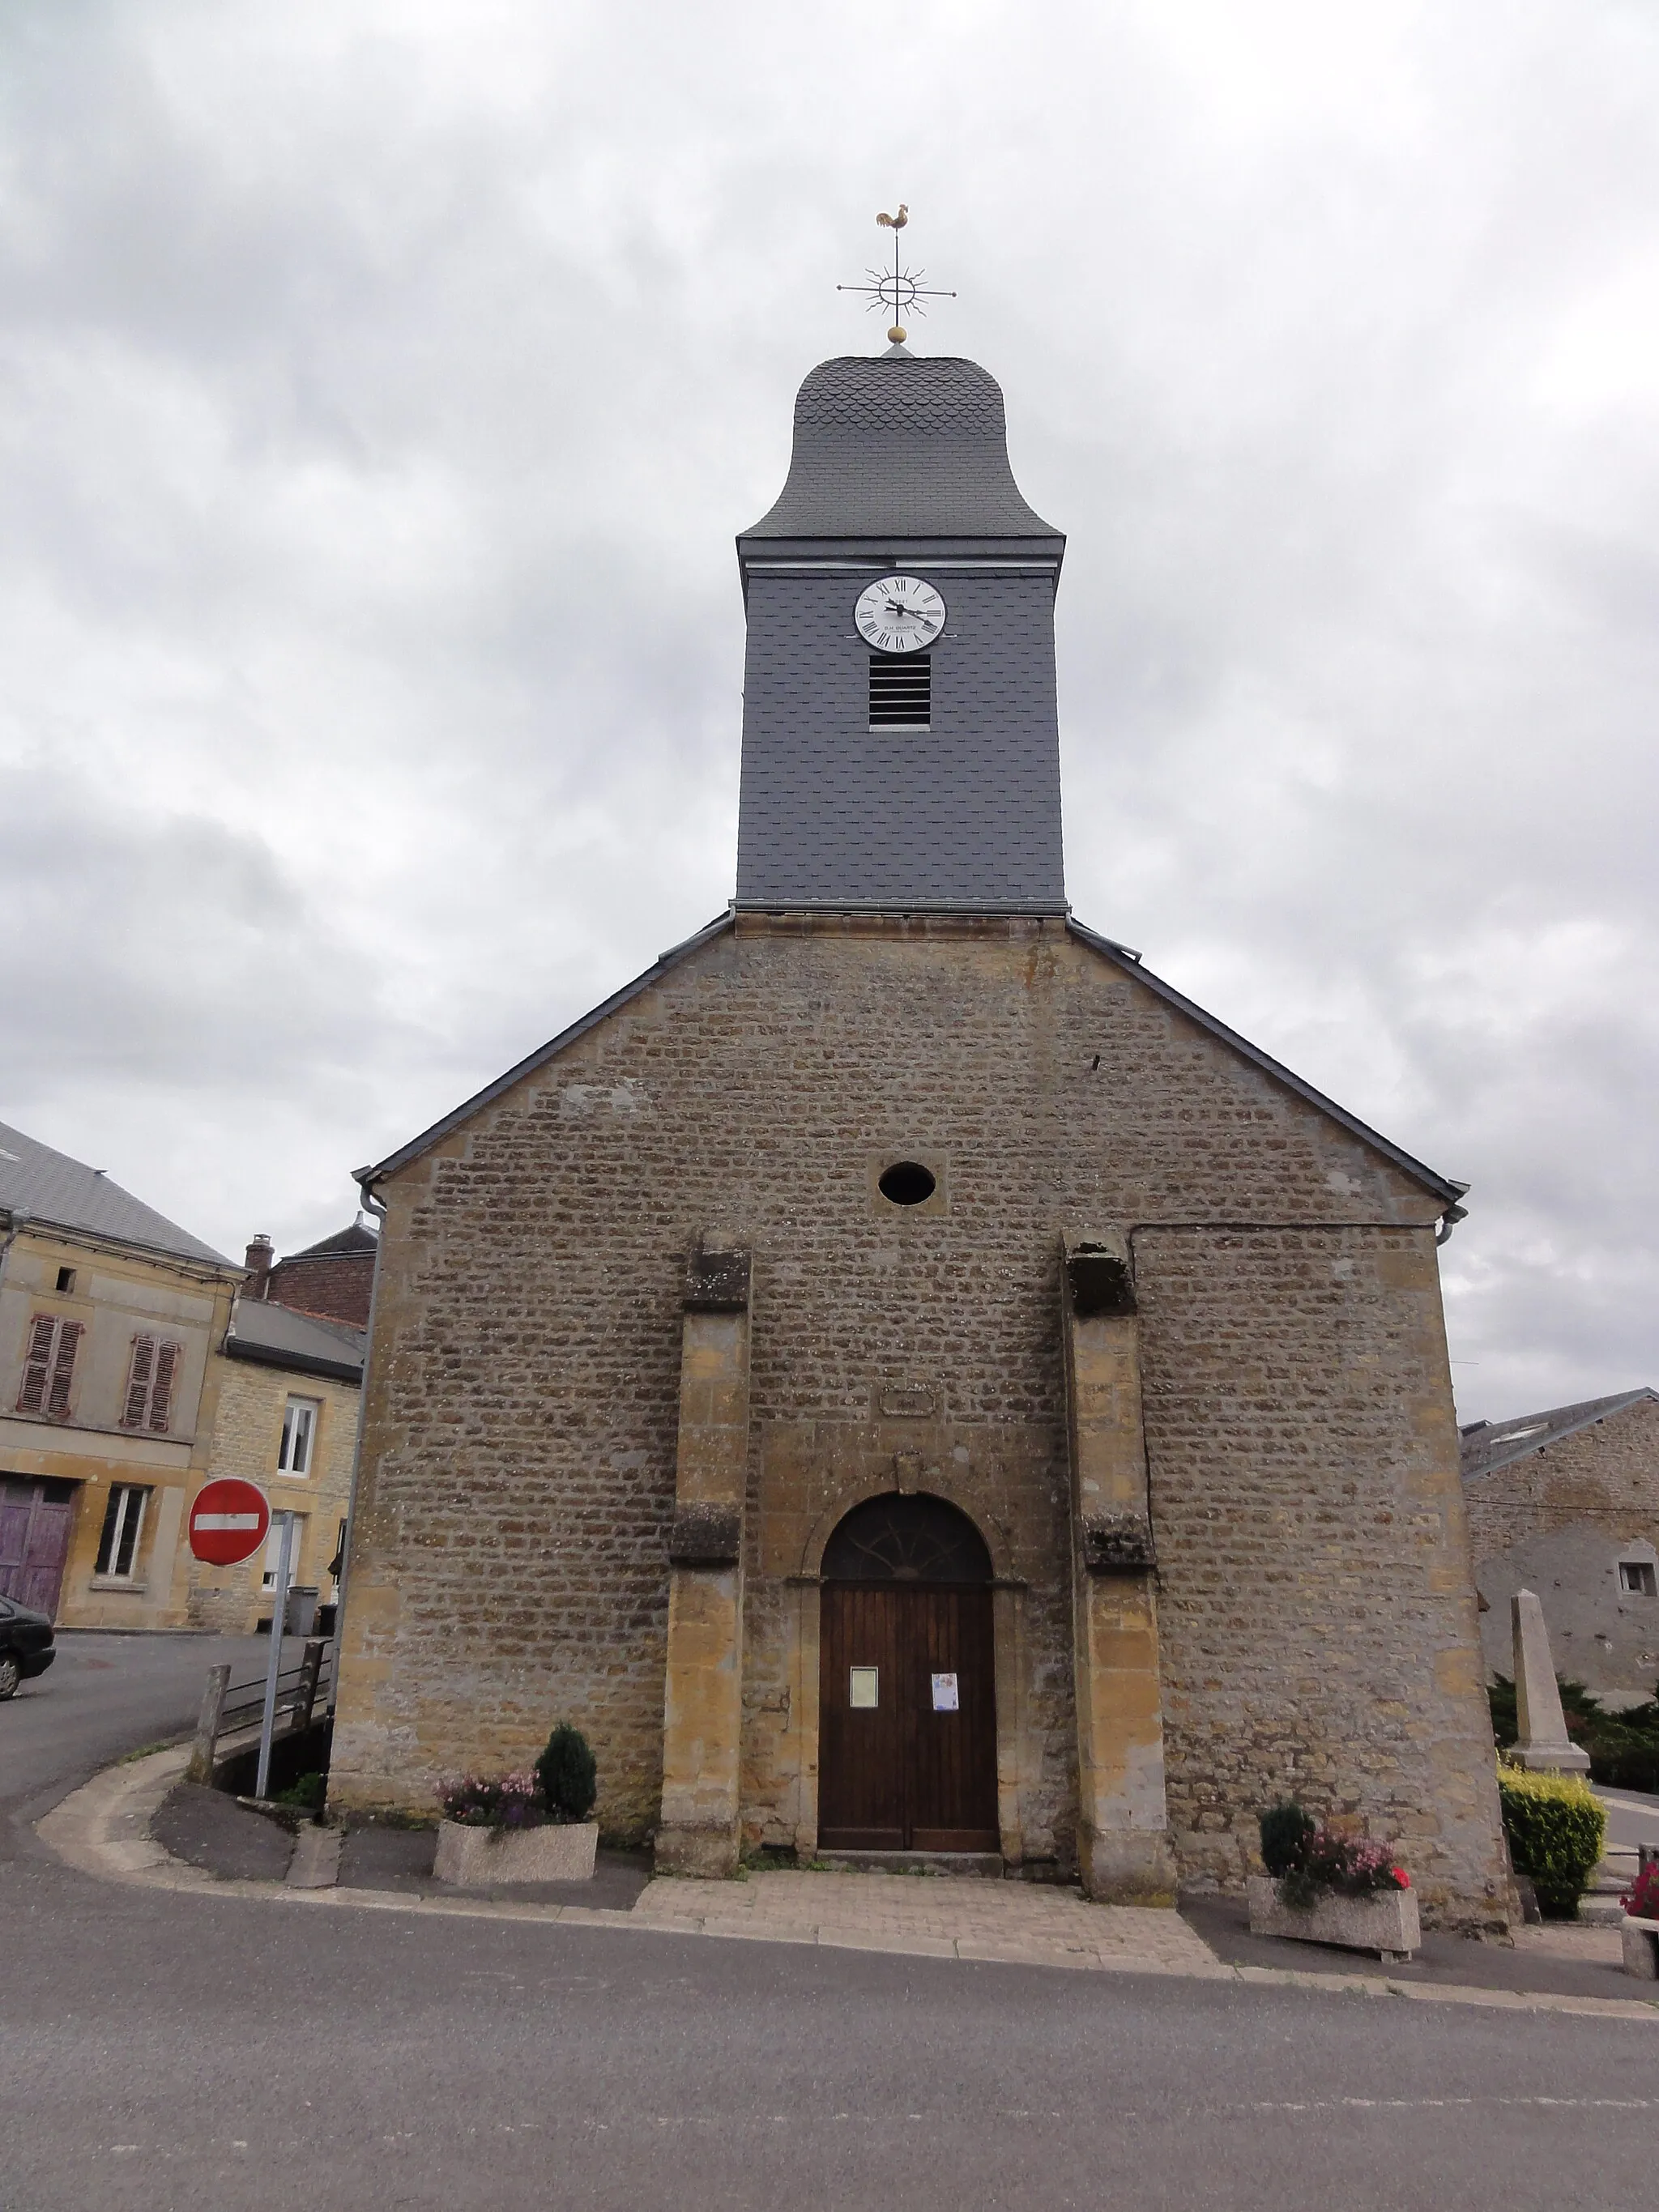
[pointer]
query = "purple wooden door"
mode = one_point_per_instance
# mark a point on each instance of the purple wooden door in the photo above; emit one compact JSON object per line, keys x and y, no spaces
{"x":34,"y":1534}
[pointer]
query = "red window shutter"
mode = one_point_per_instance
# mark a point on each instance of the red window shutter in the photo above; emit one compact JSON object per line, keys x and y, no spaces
{"x":160,"y":1405}
{"x":37,"y":1363}
{"x":138,"y":1377}
{"x":69,"y":1334}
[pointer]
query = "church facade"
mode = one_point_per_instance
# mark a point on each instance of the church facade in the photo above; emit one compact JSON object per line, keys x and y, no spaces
{"x":898,"y":1376}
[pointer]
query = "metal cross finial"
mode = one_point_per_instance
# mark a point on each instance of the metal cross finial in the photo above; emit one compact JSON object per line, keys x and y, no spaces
{"x":898,"y":288}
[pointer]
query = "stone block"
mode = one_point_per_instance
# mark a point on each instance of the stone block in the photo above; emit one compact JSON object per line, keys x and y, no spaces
{"x":1387,"y":1921}
{"x":1640,"y":1939}
{"x":479,"y":1858}
{"x":709,"y":1854}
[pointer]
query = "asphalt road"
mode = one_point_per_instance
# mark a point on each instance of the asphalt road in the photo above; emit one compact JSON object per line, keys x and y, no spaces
{"x":166,"y":2052}
{"x":102,"y":1695}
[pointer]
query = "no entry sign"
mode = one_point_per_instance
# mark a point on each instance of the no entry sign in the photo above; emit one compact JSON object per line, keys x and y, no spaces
{"x":230,"y":1520}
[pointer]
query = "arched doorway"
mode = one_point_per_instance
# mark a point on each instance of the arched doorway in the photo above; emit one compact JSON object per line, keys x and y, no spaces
{"x":907,"y":1713}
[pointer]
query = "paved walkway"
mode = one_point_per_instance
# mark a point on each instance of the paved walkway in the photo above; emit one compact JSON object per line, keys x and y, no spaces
{"x":935,"y":1917}
{"x":105,"y":1828}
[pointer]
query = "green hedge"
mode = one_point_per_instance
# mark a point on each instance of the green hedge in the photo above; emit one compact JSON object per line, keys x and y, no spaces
{"x":1556,"y":1826}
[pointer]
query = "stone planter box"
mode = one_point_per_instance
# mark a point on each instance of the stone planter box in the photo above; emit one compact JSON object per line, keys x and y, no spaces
{"x":1641,"y":1941}
{"x":1386,"y":1921}
{"x":479,"y":1858}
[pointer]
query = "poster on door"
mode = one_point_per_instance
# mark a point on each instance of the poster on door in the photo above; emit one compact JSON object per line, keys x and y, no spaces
{"x":945,"y":1694}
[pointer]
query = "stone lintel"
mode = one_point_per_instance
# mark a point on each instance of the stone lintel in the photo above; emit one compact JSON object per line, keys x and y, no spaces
{"x":717,"y":1282}
{"x":1100,"y":1275}
{"x":1116,"y":1543}
{"x":706,"y":1534}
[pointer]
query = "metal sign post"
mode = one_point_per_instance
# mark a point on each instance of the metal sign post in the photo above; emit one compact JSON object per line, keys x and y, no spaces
{"x":274,"y":1667}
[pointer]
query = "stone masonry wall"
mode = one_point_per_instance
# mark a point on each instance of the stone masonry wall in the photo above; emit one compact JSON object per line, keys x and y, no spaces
{"x":519,"y":1463}
{"x":1557,"y":1522}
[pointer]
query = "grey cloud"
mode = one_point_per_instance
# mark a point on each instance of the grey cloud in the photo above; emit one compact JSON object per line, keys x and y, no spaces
{"x":381,"y":396}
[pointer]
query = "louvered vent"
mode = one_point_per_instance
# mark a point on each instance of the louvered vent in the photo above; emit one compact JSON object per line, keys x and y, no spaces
{"x":901,"y":689}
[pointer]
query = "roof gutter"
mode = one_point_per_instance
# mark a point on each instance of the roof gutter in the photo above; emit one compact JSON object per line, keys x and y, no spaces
{"x":295,"y":1363}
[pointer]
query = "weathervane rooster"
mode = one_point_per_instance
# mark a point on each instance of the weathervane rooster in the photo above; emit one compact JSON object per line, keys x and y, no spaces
{"x":899,"y":290}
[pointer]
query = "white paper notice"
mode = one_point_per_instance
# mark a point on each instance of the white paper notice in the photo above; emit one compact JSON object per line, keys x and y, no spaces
{"x":945,"y":1694}
{"x":863,"y":1686}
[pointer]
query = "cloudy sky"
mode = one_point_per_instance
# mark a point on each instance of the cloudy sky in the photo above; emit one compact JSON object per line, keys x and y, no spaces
{"x":382,"y":383}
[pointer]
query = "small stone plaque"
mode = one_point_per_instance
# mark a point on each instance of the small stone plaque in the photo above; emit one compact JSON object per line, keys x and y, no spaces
{"x":945,"y":1694}
{"x":907,"y":1402}
{"x":863,"y":1687}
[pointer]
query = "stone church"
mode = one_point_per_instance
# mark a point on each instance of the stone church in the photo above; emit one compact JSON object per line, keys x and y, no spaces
{"x":898,"y":1375}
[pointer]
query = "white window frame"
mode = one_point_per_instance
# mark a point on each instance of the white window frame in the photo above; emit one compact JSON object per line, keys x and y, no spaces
{"x":133,"y":1497}
{"x":1644,"y":1574}
{"x":298,"y":1438}
{"x":273,"y":1558}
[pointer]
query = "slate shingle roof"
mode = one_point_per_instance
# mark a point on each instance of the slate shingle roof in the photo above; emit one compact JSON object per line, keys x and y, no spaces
{"x":1489,"y":1445}
{"x":278,"y":1336}
{"x":345,"y":1244}
{"x":50,"y":1187}
{"x":894,"y":446}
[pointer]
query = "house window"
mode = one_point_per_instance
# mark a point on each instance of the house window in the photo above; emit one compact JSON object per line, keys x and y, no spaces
{"x":148,"y":1402}
{"x":48,"y":1366}
{"x":66,"y":1279}
{"x":123,"y":1522}
{"x":299,"y":1436}
{"x":1638,"y":1576}
{"x":274,"y":1552}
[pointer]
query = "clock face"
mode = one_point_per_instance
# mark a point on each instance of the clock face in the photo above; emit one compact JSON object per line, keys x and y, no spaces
{"x":899,"y":614}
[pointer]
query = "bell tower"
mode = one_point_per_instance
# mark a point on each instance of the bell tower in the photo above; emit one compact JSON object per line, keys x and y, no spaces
{"x":901,"y":741}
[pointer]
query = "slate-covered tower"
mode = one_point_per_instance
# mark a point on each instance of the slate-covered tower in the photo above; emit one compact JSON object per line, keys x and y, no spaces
{"x":926,"y":782}
{"x":898,"y":1376}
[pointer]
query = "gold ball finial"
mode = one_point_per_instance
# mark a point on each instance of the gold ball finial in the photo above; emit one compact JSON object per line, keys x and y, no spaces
{"x":898,"y":334}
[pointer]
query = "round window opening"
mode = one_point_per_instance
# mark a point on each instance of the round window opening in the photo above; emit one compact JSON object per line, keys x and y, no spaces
{"x":907,"y":1182}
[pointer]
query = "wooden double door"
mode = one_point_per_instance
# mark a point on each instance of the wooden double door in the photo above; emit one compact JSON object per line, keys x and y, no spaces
{"x":907,"y":1716}
{"x":34,"y":1534}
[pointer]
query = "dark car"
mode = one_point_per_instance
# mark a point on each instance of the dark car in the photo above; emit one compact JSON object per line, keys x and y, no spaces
{"x":24,"y":1644}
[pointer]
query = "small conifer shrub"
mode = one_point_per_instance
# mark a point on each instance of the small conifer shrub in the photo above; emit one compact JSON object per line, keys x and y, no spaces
{"x":567,"y":1774}
{"x":1288,"y":1834}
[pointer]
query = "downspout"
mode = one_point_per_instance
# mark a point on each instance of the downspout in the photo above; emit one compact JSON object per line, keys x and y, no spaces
{"x":1453,"y":1214}
{"x":372,"y":1205}
{"x":17,"y":1220}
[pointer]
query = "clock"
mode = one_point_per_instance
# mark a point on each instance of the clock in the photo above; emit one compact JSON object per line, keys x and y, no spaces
{"x":899,"y":614}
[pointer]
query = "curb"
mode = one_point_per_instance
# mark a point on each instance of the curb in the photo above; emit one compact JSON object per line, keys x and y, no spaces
{"x":102,"y":1829}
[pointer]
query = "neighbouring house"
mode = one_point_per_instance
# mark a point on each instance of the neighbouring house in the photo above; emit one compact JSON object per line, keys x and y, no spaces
{"x":110,"y":1317}
{"x":1566,"y":1503}
{"x":898,"y":1375}
{"x":288,"y":1388}
{"x":335,"y":1278}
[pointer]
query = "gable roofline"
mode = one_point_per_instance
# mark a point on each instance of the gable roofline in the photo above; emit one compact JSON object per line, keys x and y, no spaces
{"x":1121,"y":955}
{"x":1485,"y":1443}
{"x":366,"y":1178}
{"x":1442,"y":1187}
